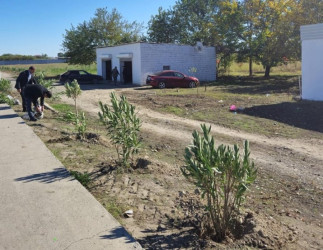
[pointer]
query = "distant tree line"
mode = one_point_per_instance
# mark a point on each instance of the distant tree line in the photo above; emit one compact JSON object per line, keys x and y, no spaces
{"x":16,"y":57}
{"x":262,"y":31}
{"x":254,"y":31}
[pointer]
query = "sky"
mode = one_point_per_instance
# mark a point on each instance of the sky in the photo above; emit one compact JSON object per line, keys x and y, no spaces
{"x":35,"y":27}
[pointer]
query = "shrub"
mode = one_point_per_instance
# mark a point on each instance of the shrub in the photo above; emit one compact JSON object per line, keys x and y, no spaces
{"x":5,"y":85}
{"x":123,"y":127}
{"x":221,"y":175}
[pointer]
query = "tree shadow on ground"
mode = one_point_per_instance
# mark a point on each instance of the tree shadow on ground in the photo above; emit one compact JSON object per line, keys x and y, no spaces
{"x":118,"y":232}
{"x":10,"y":116}
{"x":184,"y":239}
{"x":5,"y":107}
{"x":259,"y":85}
{"x":303,"y":114}
{"x":47,"y":177}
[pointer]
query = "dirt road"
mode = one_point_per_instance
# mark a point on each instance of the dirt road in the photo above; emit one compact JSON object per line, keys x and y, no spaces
{"x":287,"y":195}
{"x":298,"y":158}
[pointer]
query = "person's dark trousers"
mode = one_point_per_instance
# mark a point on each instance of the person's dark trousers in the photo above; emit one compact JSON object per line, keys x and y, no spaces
{"x":115,"y":80}
{"x":28,"y":106}
{"x":23,"y":100}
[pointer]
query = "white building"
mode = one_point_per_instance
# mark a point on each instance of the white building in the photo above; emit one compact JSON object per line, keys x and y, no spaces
{"x":312,"y":62}
{"x":141,"y":59}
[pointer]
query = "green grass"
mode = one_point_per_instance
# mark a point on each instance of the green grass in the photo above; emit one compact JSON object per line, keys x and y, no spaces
{"x":83,"y":178}
{"x":175,"y":110}
{"x":61,"y":107}
{"x":114,"y":208}
{"x":50,"y":70}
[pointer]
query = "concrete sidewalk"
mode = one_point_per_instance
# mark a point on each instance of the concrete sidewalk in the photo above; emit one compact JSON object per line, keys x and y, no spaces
{"x":41,"y":206}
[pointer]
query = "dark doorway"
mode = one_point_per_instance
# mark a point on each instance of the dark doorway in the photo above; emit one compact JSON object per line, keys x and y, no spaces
{"x":127,"y":72}
{"x":108,"y":70}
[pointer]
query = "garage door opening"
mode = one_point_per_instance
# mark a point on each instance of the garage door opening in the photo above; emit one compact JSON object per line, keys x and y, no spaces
{"x":126,"y":71}
{"x":108,"y":70}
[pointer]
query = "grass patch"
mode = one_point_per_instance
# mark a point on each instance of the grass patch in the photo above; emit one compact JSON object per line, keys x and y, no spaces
{"x":83,"y":178}
{"x":242,"y":69}
{"x":114,"y":208}
{"x":175,"y":110}
{"x":61,"y":107}
{"x":50,"y":70}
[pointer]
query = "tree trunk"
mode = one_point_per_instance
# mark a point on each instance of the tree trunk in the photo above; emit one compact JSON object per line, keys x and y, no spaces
{"x":250,"y":66}
{"x":267,"y":71}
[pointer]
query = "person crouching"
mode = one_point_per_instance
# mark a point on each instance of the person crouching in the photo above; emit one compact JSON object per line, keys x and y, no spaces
{"x":32,"y":93}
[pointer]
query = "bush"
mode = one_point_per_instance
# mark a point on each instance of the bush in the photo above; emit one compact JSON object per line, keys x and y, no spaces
{"x":123,"y":127}
{"x":221,"y":175}
{"x":5,"y":85}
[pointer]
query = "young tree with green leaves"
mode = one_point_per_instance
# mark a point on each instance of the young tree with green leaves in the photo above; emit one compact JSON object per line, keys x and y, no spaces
{"x":73,"y":91}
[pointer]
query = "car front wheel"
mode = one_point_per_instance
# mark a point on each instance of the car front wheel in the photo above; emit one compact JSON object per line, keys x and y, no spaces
{"x":161,"y":85}
{"x":192,"y":85}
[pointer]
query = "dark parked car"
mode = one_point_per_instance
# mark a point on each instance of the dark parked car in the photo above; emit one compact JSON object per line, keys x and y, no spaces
{"x":80,"y":75}
{"x":171,"y":79}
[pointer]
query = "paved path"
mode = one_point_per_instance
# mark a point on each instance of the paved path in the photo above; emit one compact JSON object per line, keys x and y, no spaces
{"x":41,"y":206}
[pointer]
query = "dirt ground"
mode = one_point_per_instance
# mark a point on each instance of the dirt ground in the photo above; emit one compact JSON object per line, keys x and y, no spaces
{"x":284,"y":208}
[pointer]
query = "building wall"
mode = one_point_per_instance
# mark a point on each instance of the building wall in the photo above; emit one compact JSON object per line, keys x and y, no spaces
{"x":178,"y":57}
{"x":150,"y":58}
{"x":102,"y":54}
{"x":312,"y":62}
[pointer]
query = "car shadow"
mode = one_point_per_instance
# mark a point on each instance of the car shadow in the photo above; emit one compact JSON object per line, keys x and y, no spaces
{"x":302,"y":114}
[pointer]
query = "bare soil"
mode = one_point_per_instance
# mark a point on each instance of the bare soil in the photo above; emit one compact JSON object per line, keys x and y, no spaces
{"x":283,"y":208}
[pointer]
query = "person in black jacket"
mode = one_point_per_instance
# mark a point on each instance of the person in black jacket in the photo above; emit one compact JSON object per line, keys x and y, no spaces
{"x":32,"y":92}
{"x":24,"y":78}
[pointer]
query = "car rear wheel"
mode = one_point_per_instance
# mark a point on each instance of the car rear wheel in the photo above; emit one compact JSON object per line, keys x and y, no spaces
{"x":192,"y":85}
{"x":161,"y":85}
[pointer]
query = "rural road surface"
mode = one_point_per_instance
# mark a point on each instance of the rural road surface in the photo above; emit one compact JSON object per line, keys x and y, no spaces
{"x":41,"y":206}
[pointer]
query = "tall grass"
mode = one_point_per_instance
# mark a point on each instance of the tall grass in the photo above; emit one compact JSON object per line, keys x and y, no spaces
{"x":242,"y":69}
{"x":50,"y":70}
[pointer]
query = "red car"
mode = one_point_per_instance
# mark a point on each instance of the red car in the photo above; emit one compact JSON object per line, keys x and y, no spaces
{"x":171,"y":79}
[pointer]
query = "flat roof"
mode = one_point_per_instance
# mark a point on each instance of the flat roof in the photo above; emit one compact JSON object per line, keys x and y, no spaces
{"x":178,"y":44}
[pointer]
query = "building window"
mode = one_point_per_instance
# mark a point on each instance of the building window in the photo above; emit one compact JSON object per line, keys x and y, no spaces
{"x":166,"y":67}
